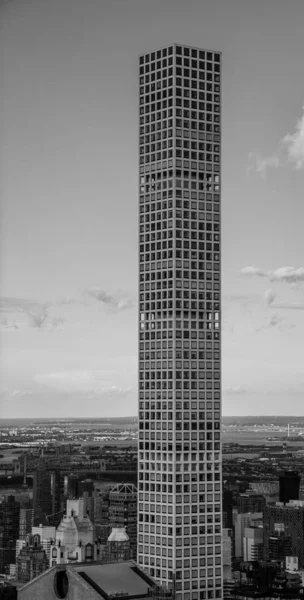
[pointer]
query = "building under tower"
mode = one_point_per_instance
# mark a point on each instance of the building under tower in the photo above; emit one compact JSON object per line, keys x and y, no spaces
{"x":179,"y":487}
{"x":123,"y":512}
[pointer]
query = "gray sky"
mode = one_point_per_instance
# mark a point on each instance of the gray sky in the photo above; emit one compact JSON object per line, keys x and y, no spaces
{"x":68,"y":189}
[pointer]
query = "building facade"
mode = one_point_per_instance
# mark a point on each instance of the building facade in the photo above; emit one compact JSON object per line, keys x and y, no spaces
{"x":289,"y":483}
{"x":180,"y":503}
{"x":123,"y":512}
{"x":92,"y":582}
{"x":42,"y":497}
{"x":32,"y":559}
{"x":289,"y":518}
{"x":9,"y":531}
{"x":253,"y":544}
{"x":243,"y":520}
{"x":75,"y":536}
{"x":251,"y":503}
{"x":227,"y":553}
{"x":279,"y":546}
{"x":26,"y":522}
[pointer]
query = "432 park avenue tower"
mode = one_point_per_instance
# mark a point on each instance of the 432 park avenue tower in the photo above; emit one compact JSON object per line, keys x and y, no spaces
{"x":179,"y":500}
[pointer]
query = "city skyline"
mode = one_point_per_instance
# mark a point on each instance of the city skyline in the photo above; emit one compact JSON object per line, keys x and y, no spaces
{"x":69,"y":265}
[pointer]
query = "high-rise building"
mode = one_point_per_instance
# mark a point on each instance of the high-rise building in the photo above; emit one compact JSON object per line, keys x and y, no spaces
{"x":70,"y":486}
{"x":227,"y":545}
{"x":289,"y":486}
{"x":279,"y":546}
{"x":26,"y":522}
{"x":180,"y":504}
{"x":86,"y":485}
{"x":9,"y":531}
{"x":102,"y":516}
{"x":42,"y":498}
{"x":251,"y":502}
{"x":288,"y":518}
{"x":253,"y":544}
{"x":32,"y":559}
{"x":269,"y":489}
{"x":57,"y":491}
{"x":227,"y":552}
{"x":9,"y":521}
{"x":118,"y":545}
{"x":123,"y":512}
{"x":243,"y":520}
{"x":227,"y":509}
{"x":48,"y":494}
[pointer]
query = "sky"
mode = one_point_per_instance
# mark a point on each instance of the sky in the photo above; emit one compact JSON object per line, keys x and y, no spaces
{"x":68,"y":192}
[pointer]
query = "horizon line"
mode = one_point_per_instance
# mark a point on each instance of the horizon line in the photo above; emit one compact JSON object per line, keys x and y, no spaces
{"x":136,"y":417}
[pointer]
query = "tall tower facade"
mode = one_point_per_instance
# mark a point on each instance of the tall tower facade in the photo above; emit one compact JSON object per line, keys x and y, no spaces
{"x":179,"y":483}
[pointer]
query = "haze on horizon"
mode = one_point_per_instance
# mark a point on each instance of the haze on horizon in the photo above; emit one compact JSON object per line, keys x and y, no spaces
{"x":69,"y":202}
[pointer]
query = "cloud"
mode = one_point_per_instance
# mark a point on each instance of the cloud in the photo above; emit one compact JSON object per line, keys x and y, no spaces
{"x":85,"y":381}
{"x":69,"y":301}
{"x":116,"y":302}
{"x":294,"y":144}
{"x":236,"y":389}
{"x":287,"y":274}
{"x":289,"y":306}
{"x":37,"y":319}
{"x":276,"y":322}
{"x":21,"y":393}
{"x":245,"y":300}
{"x":8,"y":304}
{"x":37,"y":315}
{"x":270,"y":297}
{"x":6,"y":325}
{"x":290,"y":151}
{"x":253,"y":272}
{"x":41,"y":319}
{"x":290,"y":275}
{"x":261,"y":164}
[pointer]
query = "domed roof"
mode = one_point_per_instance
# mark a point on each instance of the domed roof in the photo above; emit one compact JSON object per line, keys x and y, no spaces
{"x":118,"y":534}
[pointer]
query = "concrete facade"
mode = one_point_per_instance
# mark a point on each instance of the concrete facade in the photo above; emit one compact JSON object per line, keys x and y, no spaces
{"x":43,"y":587}
{"x":92,"y":582}
{"x":179,"y":461}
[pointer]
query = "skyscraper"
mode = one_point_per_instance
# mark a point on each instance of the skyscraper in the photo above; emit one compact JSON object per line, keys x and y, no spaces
{"x":179,"y":495}
{"x":289,"y":483}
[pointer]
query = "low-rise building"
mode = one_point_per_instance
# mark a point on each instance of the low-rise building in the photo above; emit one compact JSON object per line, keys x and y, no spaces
{"x":93,"y":582}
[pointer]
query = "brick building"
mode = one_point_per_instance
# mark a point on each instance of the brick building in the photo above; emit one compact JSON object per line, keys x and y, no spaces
{"x":32,"y":559}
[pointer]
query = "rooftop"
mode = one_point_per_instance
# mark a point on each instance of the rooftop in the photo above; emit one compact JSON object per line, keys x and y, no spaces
{"x":118,"y":534}
{"x":118,"y":577}
{"x":109,"y":580}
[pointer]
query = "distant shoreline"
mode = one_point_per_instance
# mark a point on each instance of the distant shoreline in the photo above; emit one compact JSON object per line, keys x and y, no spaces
{"x":275,"y":419}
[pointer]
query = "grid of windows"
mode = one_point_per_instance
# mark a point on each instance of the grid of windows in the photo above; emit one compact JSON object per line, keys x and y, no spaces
{"x":179,"y":511}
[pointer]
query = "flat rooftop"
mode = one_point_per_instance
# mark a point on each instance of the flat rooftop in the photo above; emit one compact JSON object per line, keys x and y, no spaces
{"x":122,"y":577}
